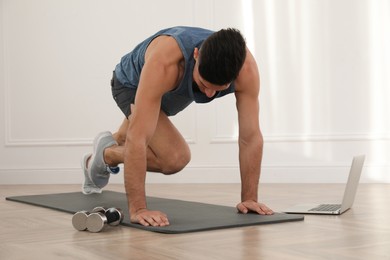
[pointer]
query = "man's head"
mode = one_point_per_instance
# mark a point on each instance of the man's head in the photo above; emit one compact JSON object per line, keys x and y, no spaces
{"x":221,"y":56}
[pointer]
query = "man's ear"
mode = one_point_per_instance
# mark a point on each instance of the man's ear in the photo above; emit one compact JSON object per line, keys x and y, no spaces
{"x":196,"y":53}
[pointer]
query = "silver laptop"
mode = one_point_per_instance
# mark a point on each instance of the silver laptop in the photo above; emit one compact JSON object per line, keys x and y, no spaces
{"x":349,"y":194}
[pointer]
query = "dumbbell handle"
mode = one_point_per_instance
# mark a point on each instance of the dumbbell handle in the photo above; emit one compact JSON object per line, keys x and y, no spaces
{"x":114,"y":215}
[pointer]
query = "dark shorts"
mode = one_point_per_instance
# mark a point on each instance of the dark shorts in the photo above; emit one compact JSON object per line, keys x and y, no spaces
{"x":171,"y":103}
{"x":123,"y":96}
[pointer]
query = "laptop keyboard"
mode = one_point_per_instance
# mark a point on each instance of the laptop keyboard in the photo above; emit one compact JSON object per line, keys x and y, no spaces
{"x":326,"y":207}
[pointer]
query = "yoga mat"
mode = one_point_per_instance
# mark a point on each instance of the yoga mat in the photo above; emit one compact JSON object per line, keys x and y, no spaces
{"x":184,"y":216}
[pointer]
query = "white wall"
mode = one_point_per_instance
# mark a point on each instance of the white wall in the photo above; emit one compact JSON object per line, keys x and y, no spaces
{"x":325,"y":86}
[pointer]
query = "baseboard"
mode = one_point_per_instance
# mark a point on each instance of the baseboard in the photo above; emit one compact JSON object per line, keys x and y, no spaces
{"x":206,"y":174}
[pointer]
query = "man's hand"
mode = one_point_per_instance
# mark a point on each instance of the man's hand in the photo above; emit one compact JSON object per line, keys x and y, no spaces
{"x":147,"y":217}
{"x":253,"y":206}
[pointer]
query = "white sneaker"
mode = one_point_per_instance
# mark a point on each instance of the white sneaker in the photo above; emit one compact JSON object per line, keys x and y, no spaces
{"x":88,"y":186}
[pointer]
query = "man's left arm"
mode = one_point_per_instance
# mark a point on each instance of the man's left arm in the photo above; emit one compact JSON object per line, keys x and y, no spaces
{"x":250,"y":139}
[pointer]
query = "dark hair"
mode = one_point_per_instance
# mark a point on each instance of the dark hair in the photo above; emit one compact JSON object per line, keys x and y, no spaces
{"x":221,"y":56}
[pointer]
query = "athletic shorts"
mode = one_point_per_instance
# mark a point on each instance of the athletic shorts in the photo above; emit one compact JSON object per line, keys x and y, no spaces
{"x":171,"y":103}
{"x":123,"y":96}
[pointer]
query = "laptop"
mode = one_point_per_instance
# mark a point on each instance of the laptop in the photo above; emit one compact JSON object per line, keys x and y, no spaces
{"x":349,"y":194}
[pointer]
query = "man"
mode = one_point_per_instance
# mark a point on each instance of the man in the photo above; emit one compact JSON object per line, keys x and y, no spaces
{"x":159,"y":78}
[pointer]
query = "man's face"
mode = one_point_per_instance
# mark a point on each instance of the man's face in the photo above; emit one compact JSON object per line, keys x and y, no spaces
{"x":204,"y":86}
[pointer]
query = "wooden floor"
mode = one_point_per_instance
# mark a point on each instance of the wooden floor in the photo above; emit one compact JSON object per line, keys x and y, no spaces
{"x":28,"y":232}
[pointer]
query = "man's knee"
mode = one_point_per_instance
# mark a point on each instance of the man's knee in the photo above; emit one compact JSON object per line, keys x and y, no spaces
{"x":175,"y":162}
{"x":120,"y":139}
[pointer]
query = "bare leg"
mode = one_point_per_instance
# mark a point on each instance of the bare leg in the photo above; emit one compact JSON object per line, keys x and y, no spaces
{"x":120,"y":135}
{"x":167,"y":152}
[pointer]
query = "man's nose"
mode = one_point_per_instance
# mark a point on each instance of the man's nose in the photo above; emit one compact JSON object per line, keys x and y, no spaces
{"x":209,"y":93}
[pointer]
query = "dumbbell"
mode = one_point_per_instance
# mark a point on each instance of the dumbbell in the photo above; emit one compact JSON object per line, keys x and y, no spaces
{"x":100,"y":217}
{"x":97,"y":219}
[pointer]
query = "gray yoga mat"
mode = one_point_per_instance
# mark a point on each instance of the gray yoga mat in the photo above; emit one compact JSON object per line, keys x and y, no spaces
{"x":184,"y":216}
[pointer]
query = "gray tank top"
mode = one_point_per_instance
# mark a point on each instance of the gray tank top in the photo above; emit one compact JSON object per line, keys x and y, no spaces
{"x":129,"y":69}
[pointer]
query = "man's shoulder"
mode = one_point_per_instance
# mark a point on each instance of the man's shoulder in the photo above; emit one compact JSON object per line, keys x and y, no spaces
{"x":248,"y":78}
{"x":184,"y":29}
{"x":166,"y":48}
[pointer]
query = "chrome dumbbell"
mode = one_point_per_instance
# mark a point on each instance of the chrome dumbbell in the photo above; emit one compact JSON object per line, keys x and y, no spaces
{"x":97,"y":219}
{"x":100,"y":217}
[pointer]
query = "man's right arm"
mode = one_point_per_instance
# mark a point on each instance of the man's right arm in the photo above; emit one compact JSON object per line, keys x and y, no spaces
{"x":159,"y":75}
{"x":141,"y":128}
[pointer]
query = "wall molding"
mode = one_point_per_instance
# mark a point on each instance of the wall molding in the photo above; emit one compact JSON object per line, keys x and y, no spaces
{"x":9,"y":142}
{"x":350,"y":137}
{"x":286,"y":138}
{"x":58,"y":142}
{"x":271,"y":173}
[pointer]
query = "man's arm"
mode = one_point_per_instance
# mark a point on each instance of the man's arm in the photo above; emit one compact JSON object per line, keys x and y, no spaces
{"x":250,"y":139}
{"x":159,"y":75}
